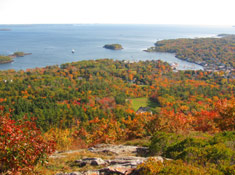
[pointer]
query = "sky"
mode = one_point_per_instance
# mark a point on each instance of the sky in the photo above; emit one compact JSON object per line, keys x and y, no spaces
{"x":188,"y":12}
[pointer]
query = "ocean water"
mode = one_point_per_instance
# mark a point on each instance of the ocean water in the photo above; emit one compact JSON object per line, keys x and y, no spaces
{"x":52,"y":44}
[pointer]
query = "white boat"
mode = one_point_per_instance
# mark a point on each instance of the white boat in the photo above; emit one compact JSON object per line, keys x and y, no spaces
{"x":73,"y":50}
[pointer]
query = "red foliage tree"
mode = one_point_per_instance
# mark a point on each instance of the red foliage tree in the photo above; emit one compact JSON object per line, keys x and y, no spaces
{"x":21,"y":146}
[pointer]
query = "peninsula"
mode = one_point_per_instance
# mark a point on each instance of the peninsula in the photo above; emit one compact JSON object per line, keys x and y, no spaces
{"x":5,"y":59}
{"x":9,"y":58}
{"x":113,"y":46}
{"x":214,"y":54}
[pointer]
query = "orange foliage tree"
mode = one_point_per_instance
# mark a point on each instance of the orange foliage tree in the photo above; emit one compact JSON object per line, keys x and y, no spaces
{"x":226,"y":111}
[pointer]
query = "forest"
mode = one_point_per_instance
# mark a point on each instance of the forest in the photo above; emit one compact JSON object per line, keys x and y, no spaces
{"x":190,"y":116}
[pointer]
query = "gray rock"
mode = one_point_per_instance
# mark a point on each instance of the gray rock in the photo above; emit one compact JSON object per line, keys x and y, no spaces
{"x":73,"y":173}
{"x":121,"y":164}
{"x":91,"y":172}
{"x":90,"y":161}
{"x":97,"y":162}
{"x":143,"y":151}
{"x":130,"y":161}
{"x":80,"y":163}
{"x":116,"y":169}
{"x":116,"y":149}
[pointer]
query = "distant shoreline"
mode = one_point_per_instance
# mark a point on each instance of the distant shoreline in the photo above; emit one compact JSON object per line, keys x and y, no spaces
{"x":145,"y":50}
{"x":5,"y":29}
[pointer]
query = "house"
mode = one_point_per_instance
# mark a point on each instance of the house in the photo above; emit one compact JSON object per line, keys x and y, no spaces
{"x":142,"y":110}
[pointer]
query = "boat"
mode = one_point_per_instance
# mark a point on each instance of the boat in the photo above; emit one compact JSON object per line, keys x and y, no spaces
{"x":73,"y":50}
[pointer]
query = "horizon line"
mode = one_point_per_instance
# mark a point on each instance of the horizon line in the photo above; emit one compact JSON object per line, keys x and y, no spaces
{"x":221,"y":25}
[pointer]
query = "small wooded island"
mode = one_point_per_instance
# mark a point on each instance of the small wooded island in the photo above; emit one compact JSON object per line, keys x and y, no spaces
{"x":113,"y":46}
{"x":9,"y":58}
{"x":19,"y":54}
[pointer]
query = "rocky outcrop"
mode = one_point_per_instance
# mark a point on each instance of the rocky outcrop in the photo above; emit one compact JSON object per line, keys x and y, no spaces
{"x":90,"y":161}
{"x":116,"y":169}
{"x":123,"y":160}
{"x":118,"y":149}
{"x":118,"y":165}
{"x":81,"y":173}
{"x":130,"y":161}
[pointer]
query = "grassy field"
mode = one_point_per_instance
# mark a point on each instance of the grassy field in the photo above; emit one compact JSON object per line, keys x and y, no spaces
{"x":138,"y":102}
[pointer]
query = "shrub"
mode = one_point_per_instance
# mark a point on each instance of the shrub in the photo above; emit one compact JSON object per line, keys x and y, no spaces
{"x":150,"y":167}
{"x":179,"y":167}
{"x":154,"y":167}
{"x":230,"y":170}
{"x":192,"y":155}
{"x":176,"y":149}
{"x":215,"y":154}
{"x":227,"y":137}
{"x":21,"y":146}
{"x":62,"y":137}
{"x":161,"y":141}
{"x":218,"y":154}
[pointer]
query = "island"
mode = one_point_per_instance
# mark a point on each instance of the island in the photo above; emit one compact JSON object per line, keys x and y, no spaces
{"x":9,"y":58}
{"x":113,"y":46}
{"x":214,"y":54}
{"x":19,"y":54}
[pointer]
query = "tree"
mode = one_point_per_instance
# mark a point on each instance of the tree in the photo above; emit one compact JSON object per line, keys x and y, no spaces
{"x":21,"y":146}
{"x":226,"y":109}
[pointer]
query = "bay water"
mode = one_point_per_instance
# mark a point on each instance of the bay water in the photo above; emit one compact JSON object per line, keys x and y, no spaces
{"x":52,"y":44}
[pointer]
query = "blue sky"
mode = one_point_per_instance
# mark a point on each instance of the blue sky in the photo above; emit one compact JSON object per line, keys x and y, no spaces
{"x":202,"y":12}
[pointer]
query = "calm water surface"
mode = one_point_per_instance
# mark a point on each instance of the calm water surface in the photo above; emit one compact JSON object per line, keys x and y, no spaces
{"x":52,"y":44}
